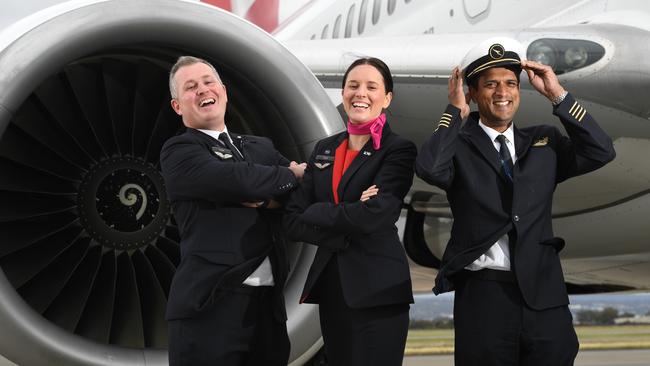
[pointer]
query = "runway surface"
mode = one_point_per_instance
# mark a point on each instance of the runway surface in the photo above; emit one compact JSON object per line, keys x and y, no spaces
{"x":585,"y":358}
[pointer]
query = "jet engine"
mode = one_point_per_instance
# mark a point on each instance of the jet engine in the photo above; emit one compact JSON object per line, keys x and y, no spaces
{"x":88,"y":245}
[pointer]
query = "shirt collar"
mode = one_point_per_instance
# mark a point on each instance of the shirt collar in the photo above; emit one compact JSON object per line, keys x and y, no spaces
{"x":492,"y":133}
{"x":215,"y":134}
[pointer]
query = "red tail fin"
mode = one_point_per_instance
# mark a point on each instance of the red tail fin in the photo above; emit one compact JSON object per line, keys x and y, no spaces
{"x":264,"y":13}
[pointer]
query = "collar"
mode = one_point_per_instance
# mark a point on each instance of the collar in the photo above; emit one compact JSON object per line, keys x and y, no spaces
{"x":215,"y":134}
{"x":492,"y":133}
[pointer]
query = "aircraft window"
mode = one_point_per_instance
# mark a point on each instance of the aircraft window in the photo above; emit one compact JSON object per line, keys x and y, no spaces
{"x":337,"y":26}
{"x":349,"y":21}
{"x":323,"y":34}
{"x":376,"y":10}
{"x":313,"y":36}
{"x":407,"y":1}
{"x":391,"y":6}
{"x":362,"y":16}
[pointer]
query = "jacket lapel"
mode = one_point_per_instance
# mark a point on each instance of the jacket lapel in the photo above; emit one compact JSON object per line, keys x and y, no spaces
{"x":212,"y":142}
{"x":523,"y":142}
{"x":326,"y":173}
{"x":366,"y":153}
{"x":239,"y":141}
{"x":477,"y":137}
{"x":203,"y":136}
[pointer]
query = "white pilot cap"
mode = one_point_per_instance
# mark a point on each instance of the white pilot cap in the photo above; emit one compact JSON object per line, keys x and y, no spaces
{"x":493,"y":52}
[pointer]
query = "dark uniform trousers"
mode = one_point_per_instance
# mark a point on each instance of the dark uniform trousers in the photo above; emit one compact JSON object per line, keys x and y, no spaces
{"x":240,"y":319}
{"x":494,"y":326}
{"x":373,"y":336}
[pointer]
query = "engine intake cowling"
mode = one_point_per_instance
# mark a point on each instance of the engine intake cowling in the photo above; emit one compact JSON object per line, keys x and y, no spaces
{"x":88,"y":244}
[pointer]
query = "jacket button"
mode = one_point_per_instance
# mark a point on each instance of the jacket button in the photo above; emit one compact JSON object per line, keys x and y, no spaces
{"x":515,"y":218}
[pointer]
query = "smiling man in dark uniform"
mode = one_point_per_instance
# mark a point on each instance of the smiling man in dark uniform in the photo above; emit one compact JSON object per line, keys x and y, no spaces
{"x":511,"y":304}
{"x":225,"y":304}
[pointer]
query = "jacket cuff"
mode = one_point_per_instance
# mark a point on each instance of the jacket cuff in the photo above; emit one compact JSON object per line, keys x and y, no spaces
{"x":448,"y":116}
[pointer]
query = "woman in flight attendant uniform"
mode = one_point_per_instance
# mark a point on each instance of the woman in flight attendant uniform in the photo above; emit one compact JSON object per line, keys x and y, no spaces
{"x":347,"y":205}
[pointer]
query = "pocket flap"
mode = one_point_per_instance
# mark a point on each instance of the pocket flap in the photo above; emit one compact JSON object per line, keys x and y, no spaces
{"x":556,"y":242}
{"x":217,"y":257}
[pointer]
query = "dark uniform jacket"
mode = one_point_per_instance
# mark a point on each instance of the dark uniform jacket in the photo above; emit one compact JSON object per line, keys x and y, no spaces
{"x":371,"y":260}
{"x":486,"y":205}
{"x":222,"y":242}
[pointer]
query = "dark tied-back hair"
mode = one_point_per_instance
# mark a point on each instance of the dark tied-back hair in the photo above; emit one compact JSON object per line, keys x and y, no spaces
{"x":377,"y":64}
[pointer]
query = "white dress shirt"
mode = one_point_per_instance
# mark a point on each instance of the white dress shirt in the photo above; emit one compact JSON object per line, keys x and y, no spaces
{"x":263,"y":275}
{"x":498,"y":255}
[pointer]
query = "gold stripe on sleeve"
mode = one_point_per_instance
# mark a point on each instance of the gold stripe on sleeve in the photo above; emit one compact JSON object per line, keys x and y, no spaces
{"x":584,"y":111}
{"x":445,"y":121}
{"x":577,"y":112}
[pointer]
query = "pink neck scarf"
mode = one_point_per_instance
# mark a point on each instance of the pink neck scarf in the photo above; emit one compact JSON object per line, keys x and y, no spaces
{"x":373,"y":127}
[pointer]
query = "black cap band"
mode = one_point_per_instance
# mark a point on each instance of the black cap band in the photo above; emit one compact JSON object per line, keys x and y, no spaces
{"x":493,"y":59}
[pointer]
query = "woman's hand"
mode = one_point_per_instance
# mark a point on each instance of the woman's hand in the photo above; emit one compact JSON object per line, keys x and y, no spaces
{"x":369,"y":193}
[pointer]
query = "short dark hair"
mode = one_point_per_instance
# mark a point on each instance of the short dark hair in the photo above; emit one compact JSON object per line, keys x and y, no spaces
{"x":377,"y":64}
{"x":473,"y":81}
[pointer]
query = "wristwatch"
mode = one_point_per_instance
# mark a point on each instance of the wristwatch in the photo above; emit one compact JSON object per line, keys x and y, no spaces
{"x":557,"y":100}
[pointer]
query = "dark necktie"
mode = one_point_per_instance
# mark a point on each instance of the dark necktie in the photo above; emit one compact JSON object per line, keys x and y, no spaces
{"x":505,"y":157}
{"x":223,"y":137}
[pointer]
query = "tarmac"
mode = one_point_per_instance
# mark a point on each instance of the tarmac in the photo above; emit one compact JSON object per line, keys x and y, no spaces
{"x":585,"y":358}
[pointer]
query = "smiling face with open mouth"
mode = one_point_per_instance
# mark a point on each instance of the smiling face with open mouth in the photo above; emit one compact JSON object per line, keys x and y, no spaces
{"x":497,"y":96}
{"x":201,"y":99}
{"x":364,"y":94}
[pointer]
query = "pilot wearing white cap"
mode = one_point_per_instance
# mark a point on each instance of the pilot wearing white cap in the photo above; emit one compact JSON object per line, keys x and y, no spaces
{"x":511,"y":303}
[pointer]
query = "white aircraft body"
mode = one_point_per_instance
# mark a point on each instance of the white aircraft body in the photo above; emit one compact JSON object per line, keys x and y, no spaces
{"x":87,"y":242}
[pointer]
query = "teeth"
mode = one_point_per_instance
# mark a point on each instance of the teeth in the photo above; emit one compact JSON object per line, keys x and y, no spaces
{"x":205,"y":102}
{"x":501,"y":103}
{"x":360,"y":105}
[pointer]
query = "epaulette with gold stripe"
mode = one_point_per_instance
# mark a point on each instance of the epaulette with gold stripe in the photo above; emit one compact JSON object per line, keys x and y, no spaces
{"x":445,"y":120}
{"x":577,"y":111}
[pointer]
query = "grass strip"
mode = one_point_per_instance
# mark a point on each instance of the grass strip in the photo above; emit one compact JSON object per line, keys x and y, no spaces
{"x":441,"y":341}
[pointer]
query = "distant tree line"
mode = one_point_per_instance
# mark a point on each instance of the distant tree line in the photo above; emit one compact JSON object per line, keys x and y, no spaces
{"x":606,"y":316}
{"x":600,"y":317}
{"x":439,"y":323}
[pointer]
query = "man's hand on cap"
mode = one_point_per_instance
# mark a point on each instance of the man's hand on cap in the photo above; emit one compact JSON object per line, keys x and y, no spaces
{"x":457,"y":96}
{"x":543,"y":79}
